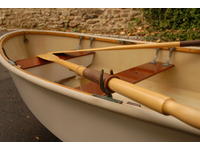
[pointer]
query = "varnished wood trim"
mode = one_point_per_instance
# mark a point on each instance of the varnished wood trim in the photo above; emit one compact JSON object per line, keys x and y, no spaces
{"x":142,"y":72}
{"x":36,"y":61}
{"x":24,"y":32}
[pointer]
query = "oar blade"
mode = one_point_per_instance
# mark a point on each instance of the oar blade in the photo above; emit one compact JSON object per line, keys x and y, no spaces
{"x":48,"y":56}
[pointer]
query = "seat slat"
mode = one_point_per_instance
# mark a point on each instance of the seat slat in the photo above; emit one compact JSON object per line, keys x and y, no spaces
{"x":36,"y":61}
{"x":139,"y":73}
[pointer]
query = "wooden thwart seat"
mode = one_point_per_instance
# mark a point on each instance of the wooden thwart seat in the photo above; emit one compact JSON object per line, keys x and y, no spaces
{"x":35,"y":61}
{"x":132,"y":75}
{"x":139,"y":73}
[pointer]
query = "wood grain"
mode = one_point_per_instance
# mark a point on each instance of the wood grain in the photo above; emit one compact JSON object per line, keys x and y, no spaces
{"x":36,"y":61}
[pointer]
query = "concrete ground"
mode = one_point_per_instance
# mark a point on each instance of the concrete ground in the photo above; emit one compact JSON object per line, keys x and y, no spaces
{"x":17,"y":123}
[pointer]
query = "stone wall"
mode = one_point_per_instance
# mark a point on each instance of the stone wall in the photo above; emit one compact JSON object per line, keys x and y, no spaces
{"x":95,"y":20}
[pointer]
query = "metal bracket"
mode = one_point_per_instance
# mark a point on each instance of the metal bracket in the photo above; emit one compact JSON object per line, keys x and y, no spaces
{"x":92,"y":39}
{"x":122,"y":42}
{"x":171,"y":50}
{"x":109,"y":99}
{"x":154,"y":61}
{"x":80,"y":43}
{"x":102,"y":86}
{"x":125,"y":42}
{"x":9,"y":60}
{"x":111,"y":72}
{"x":25,"y":39}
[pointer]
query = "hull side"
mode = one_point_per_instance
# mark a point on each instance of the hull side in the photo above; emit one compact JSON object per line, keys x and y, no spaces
{"x":72,"y":120}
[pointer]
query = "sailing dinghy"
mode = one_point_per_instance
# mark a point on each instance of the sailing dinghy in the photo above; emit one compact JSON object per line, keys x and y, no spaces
{"x":92,"y":88}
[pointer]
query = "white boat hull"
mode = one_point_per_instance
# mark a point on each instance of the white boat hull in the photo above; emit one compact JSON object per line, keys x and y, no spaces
{"x":73,"y":115}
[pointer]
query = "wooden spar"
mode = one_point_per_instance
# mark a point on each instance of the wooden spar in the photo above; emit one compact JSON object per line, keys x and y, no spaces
{"x":140,"y":46}
{"x":153,"y":100}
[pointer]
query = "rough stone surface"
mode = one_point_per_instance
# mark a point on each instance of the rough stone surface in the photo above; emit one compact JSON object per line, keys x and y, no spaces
{"x":98,"y":20}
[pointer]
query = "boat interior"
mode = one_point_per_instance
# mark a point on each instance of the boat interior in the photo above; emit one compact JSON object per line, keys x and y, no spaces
{"x":171,"y":73}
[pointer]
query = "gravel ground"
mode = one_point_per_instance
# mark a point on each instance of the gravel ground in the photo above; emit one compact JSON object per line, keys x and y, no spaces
{"x":17,"y":123}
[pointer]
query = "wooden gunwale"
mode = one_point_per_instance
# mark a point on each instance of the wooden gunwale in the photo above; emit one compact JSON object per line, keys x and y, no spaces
{"x":87,"y":37}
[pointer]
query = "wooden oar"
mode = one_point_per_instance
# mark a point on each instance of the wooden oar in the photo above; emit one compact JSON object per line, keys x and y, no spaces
{"x":153,"y":100}
{"x":139,"y":46}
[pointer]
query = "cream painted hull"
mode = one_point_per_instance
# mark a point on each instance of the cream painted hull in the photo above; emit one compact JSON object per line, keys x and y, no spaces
{"x":77,"y":116}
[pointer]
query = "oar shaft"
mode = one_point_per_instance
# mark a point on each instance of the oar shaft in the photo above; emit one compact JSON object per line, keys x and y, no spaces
{"x":146,"y":97}
{"x":122,"y":47}
{"x":187,"y":114}
{"x":72,"y":66}
{"x":156,"y":101}
{"x":137,"y":46}
{"x":153,"y":100}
